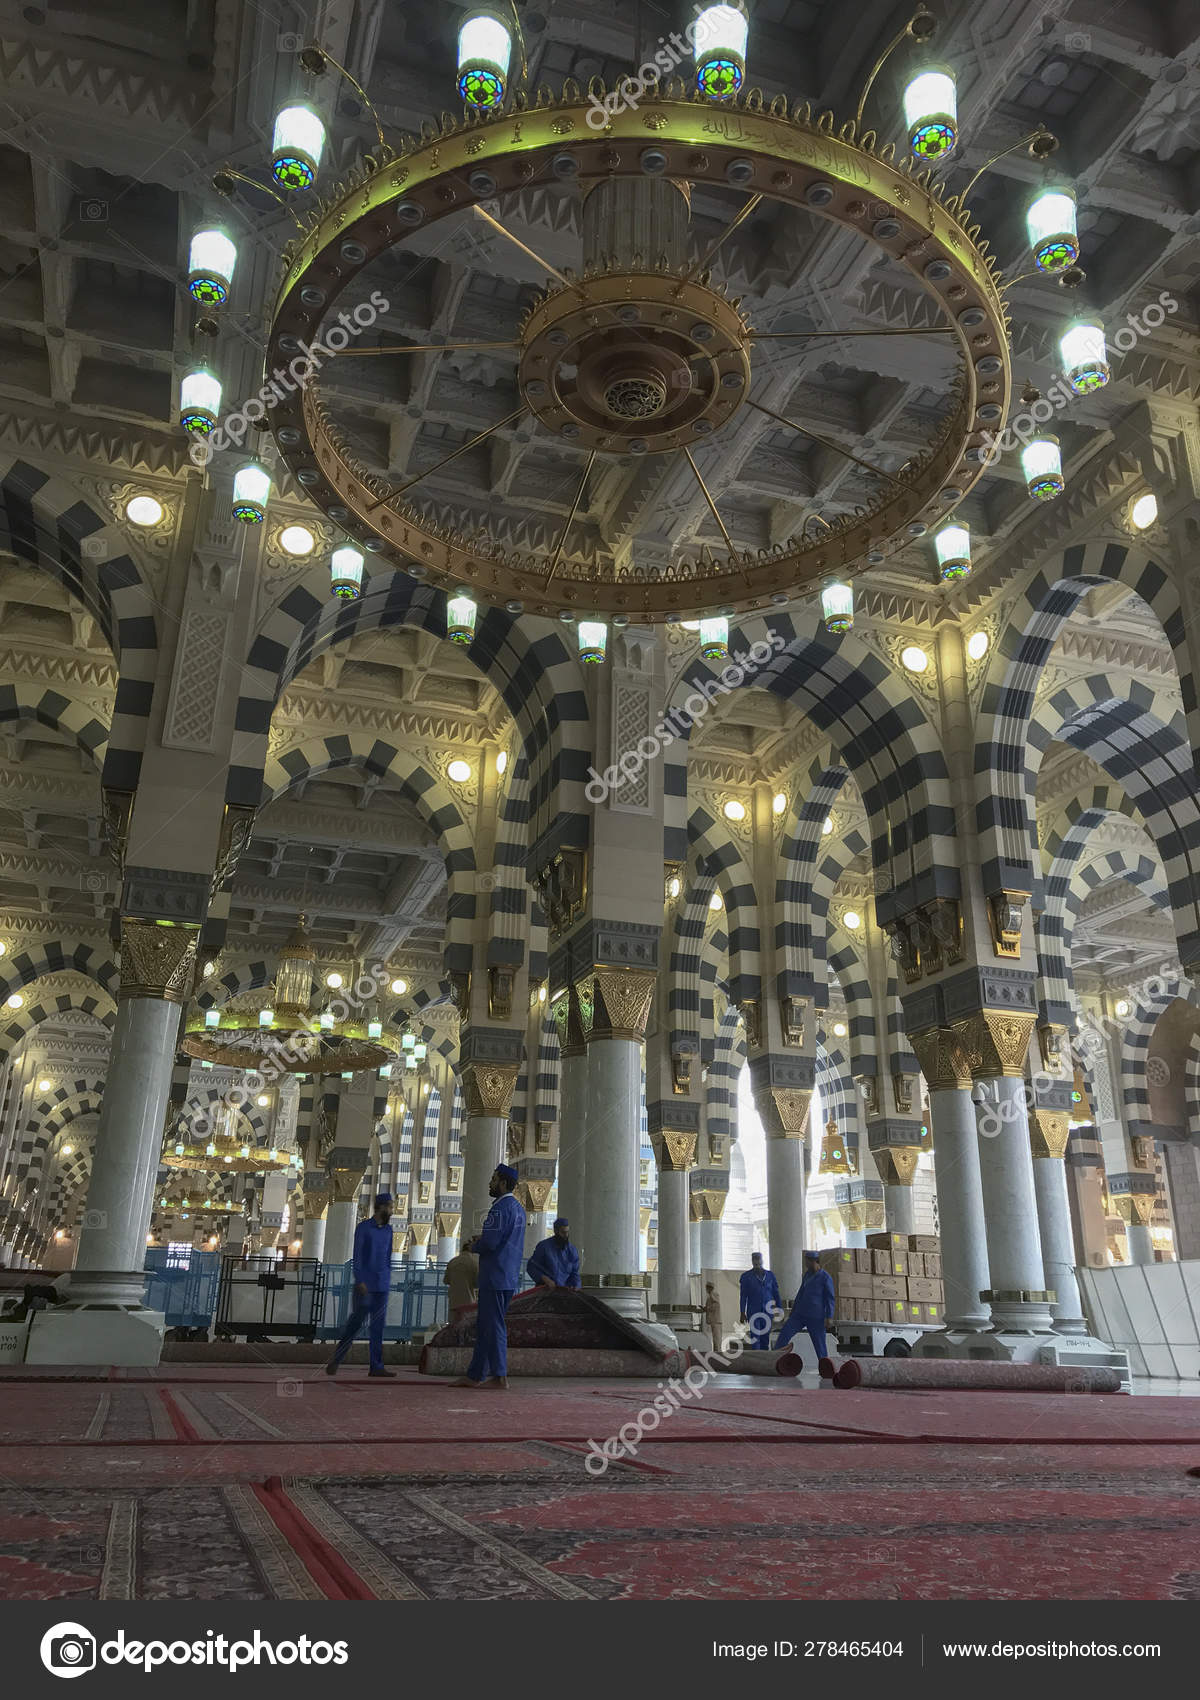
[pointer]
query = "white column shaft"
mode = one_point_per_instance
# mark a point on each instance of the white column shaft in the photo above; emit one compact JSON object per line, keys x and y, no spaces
{"x":613,"y":1148}
{"x":484,"y":1145}
{"x":1058,"y":1246}
{"x":786,"y":1216}
{"x":1010,"y":1207}
{"x":960,"y":1208}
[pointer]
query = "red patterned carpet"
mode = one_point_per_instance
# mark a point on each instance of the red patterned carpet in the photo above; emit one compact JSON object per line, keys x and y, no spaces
{"x":206,"y":1483}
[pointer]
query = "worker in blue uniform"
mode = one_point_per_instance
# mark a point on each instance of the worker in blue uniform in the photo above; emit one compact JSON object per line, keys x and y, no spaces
{"x":372,"y":1284}
{"x":812,"y":1311}
{"x":555,"y":1262}
{"x":758,"y":1301}
{"x":499,"y":1246}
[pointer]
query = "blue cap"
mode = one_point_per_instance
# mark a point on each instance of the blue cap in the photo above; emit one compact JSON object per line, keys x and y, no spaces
{"x":561,"y":1222}
{"x":813,"y":1255}
{"x":510,"y":1174}
{"x":382,"y":1198}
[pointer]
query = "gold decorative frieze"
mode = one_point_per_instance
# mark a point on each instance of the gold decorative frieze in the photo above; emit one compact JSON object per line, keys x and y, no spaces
{"x":995,"y":1041}
{"x":157,"y":961}
{"x":787,"y":1112}
{"x":623,"y":1000}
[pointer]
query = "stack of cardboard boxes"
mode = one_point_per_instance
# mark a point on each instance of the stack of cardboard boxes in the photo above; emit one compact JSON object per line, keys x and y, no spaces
{"x":897,"y":1279}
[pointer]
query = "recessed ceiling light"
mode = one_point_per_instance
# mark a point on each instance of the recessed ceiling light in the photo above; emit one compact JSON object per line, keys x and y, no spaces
{"x":714,"y":901}
{"x":1123,"y":1006}
{"x":459,"y":772}
{"x":143,"y":510}
{"x":852,"y":919}
{"x":45,"y":1085}
{"x":977,"y":645}
{"x":209,"y":968}
{"x":15,"y":1001}
{"x":914,"y":659}
{"x":733,"y":810}
{"x":333,"y":981}
{"x":827,"y":825}
{"x":67,"y":1150}
{"x":297,"y":540}
{"x":501,"y":761}
{"x":399,"y":987}
{"x":1143,"y":511}
{"x":780,"y":802}
{"x":839,"y":1029}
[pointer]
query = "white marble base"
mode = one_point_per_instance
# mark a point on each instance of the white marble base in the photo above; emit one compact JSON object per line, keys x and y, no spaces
{"x":119,"y":1337}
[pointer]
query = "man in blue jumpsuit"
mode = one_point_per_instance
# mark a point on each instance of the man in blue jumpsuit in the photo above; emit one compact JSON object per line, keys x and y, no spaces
{"x":498,"y":1245}
{"x":758,"y":1301}
{"x":555,"y":1262}
{"x":813,"y":1310}
{"x":372,"y":1283}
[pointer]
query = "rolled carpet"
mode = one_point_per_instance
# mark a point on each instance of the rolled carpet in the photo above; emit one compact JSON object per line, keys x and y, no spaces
{"x":765,"y":1363}
{"x":974,"y":1375}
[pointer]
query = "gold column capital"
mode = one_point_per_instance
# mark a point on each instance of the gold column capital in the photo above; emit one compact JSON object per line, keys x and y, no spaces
{"x":419,"y":1232}
{"x":447,"y":1224}
{"x":623,"y":1000}
{"x":533,"y":1194}
{"x":785,"y":1111}
{"x":897,"y":1164}
{"x":316,"y":1200}
{"x":995,"y":1042}
{"x":1048,"y":1132}
{"x":674,"y":1152}
{"x":944,"y":1059}
{"x":157,"y":961}
{"x":345,"y":1184}
{"x":488,"y":1087}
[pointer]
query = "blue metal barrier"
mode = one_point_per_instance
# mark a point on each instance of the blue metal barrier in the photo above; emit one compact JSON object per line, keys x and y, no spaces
{"x":182,"y":1285}
{"x":419,"y":1301}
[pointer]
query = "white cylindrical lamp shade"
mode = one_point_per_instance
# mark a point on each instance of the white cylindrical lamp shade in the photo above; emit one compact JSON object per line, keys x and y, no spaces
{"x":720,"y":48}
{"x":1041,"y":462}
{"x":593,"y":640}
{"x":345,"y":573}
{"x":296,"y":147}
{"x":837,"y":608}
{"x":460,"y":619}
{"x":484,"y":53}
{"x":1053,"y":235}
{"x":931,"y":113}
{"x":251,"y":490}
{"x":953,"y":546}
{"x":199,"y":402}
{"x":1084,"y":354}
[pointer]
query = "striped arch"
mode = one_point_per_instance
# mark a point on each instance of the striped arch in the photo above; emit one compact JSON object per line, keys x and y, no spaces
{"x":714,"y":982}
{"x":1007,"y":710}
{"x":848,"y":968}
{"x":1154,"y":997}
{"x":1085,"y":810}
{"x":901,"y":1059}
{"x":1069,"y":883}
{"x":59,"y":956}
{"x":68,"y":1190}
{"x":687,"y":946}
{"x":49,"y":1007}
{"x":46,"y":524}
{"x":34,"y":1148}
{"x":880,"y":733}
{"x":724,"y":1071}
{"x":429,"y":1138}
{"x":736,"y":886}
{"x":507,"y":880}
{"x":196,"y":1117}
{"x":538,"y":678}
{"x":24,"y":701}
{"x":802,"y":851}
{"x":547,"y":1072}
{"x":418,"y":786}
{"x":458,"y":1118}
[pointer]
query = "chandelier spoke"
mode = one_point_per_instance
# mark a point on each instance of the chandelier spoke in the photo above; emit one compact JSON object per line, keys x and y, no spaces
{"x":517,"y":243}
{"x":712,"y":506}
{"x":562,"y":536}
{"x":739,"y":217}
{"x":826,"y":442}
{"x":446,"y":459}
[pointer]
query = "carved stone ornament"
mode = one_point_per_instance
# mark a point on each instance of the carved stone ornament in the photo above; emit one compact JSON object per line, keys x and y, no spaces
{"x":543,"y":1136}
{"x":707,"y":1205}
{"x":515,"y":1141}
{"x":902,"y":1092}
{"x":996,"y":1042}
{"x":623,"y":1000}
{"x":533,"y":1194}
{"x":1142,"y":1146}
{"x":117,"y":810}
{"x":454,"y":1177}
{"x":897,"y":1164}
{"x":674,"y":1152}
{"x":157,"y":962}
{"x":317,"y":1197}
{"x":488,"y":1088}
{"x":1004,"y":917}
{"x":792,"y":1014}
{"x":447,"y":1224}
{"x":237,"y":823}
{"x":562,"y":888}
{"x":869,"y":1086}
{"x":500,"y":992}
{"x":903,"y":947}
{"x":567,"y":1020}
{"x":751,"y":1020}
{"x":681,"y":1072}
{"x":460,"y":994}
{"x":945,"y":919}
{"x":1050,"y":1041}
{"x":1048,"y":1133}
{"x":345,"y":1184}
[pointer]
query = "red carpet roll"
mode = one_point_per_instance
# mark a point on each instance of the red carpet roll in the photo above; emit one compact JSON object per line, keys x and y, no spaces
{"x":974,"y":1375}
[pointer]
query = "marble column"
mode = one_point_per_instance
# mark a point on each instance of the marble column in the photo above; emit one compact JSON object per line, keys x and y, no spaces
{"x":157,"y":965}
{"x":675,"y":1155}
{"x":997,"y":1042}
{"x":784,"y":1113}
{"x":341,"y":1219}
{"x":1048,"y":1136}
{"x":312,"y":1238}
{"x":946,"y":1066}
{"x":447,"y":1229}
{"x":274,"y":1198}
{"x":620,"y":1000}
{"x":572,"y":1116}
{"x":488,"y":1088}
{"x":897,"y":1165}
{"x":418,"y":1243}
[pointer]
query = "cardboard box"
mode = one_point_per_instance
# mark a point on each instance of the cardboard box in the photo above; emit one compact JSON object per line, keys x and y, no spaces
{"x":862,"y":1262}
{"x":898,"y":1310}
{"x":923,"y":1289}
{"x":889,"y":1287}
{"x":899,"y":1263}
{"x":880,"y":1311}
{"x":916,"y":1263}
{"x":923,"y":1242}
{"x":853,"y":1287}
{"x":836,"y":1260}
{"x":933,"y":1313}
{"x":888,"y":1242}
{"x":881,"y":1263}
{"x":933,"y":1264}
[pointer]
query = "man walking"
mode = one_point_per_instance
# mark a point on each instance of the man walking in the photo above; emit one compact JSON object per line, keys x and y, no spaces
{"x":812,"y":1312}
{"x":758,"y":1301}
{"x":462,"y":1278}
{"x":498,"y":1244}
{"x":712,"y":1314}
{"x":555,"y":1262}
{"x":372,"y":1284}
